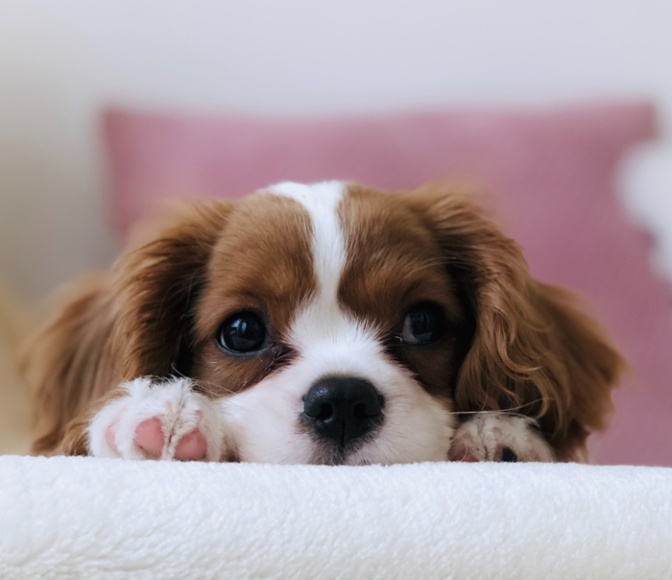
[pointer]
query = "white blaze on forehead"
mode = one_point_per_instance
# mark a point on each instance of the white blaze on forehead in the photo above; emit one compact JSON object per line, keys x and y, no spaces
{"x":321,"y":202}
{"x":323,"y":319}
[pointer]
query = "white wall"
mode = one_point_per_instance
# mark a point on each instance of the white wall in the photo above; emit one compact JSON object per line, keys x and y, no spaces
{"x":60,"y":61}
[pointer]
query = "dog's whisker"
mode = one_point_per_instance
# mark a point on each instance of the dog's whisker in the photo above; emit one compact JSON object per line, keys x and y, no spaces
{"x":509,"y":411}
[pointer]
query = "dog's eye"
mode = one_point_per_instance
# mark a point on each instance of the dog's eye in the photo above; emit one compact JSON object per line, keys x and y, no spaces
{"x":424,"y":323}
{"x":241,"y":333}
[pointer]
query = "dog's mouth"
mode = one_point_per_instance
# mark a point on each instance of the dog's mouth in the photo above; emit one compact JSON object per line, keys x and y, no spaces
{"x":340,"y":450}
{"x":338,"y":457}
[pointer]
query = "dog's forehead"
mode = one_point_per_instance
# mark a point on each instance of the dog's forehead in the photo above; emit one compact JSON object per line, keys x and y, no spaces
{"x":371,"y":253}
{"x":291,"y":243}
{"x":264,"y":251}
{"x":353,"y":216}
{"x":317,"y":198}
{"x":321,"y":203}
{"x":324,"y":231}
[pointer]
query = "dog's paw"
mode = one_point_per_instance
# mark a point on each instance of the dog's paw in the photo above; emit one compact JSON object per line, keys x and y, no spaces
{"x":159,"y":420}
{"x":499,"y":437}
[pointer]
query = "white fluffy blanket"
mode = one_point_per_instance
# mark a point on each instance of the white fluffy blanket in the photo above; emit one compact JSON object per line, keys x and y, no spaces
{"x":97,"y":518}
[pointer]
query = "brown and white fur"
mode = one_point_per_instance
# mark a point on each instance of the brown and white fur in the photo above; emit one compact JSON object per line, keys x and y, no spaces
{"x":133,"y":364}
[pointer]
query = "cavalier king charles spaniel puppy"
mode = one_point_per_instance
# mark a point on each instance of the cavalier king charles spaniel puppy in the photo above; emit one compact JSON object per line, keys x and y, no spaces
{"x":324,"y":324}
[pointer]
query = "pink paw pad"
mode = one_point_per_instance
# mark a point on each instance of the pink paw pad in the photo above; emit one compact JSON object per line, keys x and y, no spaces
{"x":463,"y":454}
{"x":191,"y":447}
{"x":149,"y":437}
{"x":464,"y":450}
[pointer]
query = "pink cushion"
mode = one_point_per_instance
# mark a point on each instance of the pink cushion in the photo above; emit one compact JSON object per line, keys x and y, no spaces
{"x":551,"y":174}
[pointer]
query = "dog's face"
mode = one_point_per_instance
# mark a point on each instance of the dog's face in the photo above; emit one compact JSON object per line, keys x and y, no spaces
{"x":331,"y":327}
{"x":342,"y":325}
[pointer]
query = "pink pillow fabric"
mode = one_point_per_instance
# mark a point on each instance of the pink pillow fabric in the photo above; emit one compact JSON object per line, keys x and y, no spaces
{"x":551,"y":176}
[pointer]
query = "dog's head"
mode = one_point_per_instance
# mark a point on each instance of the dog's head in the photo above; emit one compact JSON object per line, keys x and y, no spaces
{"x":338,"y":324}
{"x":335,"y":323}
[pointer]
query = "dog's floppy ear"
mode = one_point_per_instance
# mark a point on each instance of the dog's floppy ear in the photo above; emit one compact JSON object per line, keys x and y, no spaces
{"x":533,"y":351}
{"x":156,"y":286}
{"x":70,"y":360}
{"x":131,"y":321}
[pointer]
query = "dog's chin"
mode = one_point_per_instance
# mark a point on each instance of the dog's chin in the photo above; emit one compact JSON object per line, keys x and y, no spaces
{"x":331,"y":456}
{"x":354,"y":454}
{"x":350,"y":454}
{"x":369,"y":451}
{"x":335,"y":456}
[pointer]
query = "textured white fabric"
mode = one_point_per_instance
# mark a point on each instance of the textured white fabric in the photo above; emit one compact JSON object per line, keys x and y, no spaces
{"x":104,"y":518}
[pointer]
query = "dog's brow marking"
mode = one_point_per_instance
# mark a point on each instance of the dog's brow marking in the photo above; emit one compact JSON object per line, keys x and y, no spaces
{"x":321,"y":201}
{"x":329,"y":255}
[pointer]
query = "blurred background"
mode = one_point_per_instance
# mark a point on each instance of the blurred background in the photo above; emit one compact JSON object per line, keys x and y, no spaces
{"x":62,"y":63}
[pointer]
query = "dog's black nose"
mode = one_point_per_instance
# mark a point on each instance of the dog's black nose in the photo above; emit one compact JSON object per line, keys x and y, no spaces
{"x":343,"y":409}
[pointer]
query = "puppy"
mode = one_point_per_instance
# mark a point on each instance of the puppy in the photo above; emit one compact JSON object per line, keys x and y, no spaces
{"x":324,"y":324}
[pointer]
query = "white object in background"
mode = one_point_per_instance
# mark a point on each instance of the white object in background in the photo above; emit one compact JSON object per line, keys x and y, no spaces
{"x":647,"y":194}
